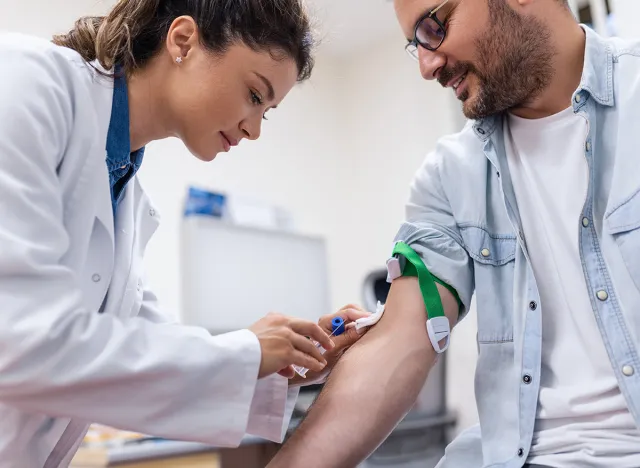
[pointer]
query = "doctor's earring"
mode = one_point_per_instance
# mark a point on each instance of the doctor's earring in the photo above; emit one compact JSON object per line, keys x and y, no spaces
{"x":178,"y":59}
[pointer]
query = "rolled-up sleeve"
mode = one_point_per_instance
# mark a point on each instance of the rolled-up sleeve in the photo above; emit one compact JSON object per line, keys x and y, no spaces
{"x":431,"y":230}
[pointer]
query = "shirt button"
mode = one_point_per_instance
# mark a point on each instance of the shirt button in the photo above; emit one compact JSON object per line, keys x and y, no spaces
{"x":628,"y":371}
{"x":96,"y":278}
{"x":585,"y":221}
{"x":578,"y":98}
{"x":602,"y":295}
{"x":588,"y":146}
{"x":527,"y":379}
{"x":533,"y":305}
{"x":520,"y":452}
{"x":152,"y":212}
{"x":485,"y":252}
{"x":481,"y":131}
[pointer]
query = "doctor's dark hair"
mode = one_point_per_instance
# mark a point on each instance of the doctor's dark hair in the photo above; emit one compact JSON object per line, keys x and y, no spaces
{"x":135,"y":30}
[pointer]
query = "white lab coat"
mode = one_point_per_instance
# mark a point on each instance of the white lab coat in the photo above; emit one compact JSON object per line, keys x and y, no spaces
{"x":66,"y":357}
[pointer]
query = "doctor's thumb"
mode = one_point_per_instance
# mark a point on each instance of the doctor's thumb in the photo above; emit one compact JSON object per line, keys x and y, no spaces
{"x":348,"y":338}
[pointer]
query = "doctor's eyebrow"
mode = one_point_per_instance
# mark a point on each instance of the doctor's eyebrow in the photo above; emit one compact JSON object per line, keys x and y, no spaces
{"x":271,"y":95}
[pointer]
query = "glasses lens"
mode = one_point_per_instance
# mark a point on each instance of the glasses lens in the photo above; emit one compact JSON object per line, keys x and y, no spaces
{"x":412,"y":50}
{"x":429,"y":33}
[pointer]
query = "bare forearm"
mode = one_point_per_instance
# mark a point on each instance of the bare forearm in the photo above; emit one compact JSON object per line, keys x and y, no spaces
{"x":370,"y":390}
{"x":366,"y":396}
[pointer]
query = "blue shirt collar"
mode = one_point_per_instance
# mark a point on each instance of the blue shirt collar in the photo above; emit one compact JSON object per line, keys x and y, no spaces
{"x":122,"y":164}
{"x":597,"y":76}
{"x":118,"y":139}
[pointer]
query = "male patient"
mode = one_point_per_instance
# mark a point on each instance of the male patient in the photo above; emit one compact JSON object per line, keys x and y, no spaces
{"x":535,"y":207}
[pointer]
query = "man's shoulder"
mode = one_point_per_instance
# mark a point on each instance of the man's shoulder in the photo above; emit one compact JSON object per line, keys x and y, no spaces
{"x":455,"y":157}
{"x":462,"y":147}
{"x":621,"y":47}
{"x":626,"y":56}
{"x":626,"y":69}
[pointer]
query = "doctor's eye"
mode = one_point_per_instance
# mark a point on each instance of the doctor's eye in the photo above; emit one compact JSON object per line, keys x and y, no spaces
{"x":255,"y":98}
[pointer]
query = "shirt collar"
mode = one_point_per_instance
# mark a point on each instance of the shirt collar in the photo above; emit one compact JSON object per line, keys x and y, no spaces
{"x":597,"y":81}
{"x":597,"y":74}
{"x":118,"y":137}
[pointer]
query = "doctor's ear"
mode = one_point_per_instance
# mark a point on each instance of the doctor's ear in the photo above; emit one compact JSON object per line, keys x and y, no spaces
{"x":183,"y":38}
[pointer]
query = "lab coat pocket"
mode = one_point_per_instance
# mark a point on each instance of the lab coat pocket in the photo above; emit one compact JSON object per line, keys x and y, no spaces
{"x":493,"y":263}
{"x":623,"y":223}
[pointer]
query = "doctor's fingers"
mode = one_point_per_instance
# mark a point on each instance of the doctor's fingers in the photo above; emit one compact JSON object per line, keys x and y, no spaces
{"x":348,"y":313}
{"x":313,"y":331}
{"x":308,"y":347}
{"x":348,"y":338}
{"x":298,"y":358}
{"x":356,"y":307}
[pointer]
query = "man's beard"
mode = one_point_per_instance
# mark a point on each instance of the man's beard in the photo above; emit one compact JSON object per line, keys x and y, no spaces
{"x":515,"y":53}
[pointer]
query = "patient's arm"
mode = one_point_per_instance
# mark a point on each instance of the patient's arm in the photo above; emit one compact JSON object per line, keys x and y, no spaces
{"x":371,"y":388}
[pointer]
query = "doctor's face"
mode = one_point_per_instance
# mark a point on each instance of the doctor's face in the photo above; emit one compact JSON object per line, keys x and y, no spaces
{"x":217,"y":100}
{"x":493,"y":57}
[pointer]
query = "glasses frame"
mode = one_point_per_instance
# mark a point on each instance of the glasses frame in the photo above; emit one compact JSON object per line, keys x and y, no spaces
{"x":417,"y":43}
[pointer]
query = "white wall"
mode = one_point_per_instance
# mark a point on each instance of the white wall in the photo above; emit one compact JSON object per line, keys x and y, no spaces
{"x":627,"y":13}
{"x":46,"y":17}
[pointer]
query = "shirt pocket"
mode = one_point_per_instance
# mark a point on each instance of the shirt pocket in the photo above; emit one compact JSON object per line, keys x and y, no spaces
{"x":493,"y":263}
{"x":623,"y":223}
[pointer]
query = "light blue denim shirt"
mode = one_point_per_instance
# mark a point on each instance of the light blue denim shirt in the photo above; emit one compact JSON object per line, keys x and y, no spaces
{"x":463,"y":219}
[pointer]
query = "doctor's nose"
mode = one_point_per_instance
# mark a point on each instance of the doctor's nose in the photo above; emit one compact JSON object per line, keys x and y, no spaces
{"x":431,"y":63}
{"x":251,"y":128}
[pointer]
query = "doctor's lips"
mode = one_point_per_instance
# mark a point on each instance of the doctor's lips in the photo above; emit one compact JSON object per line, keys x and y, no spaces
{"x":228,"y":142}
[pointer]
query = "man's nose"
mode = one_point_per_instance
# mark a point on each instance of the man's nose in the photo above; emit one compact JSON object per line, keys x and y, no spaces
{"x":431,"y":62}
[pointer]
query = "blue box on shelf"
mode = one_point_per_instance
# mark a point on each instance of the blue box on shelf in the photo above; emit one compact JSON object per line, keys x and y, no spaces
{"x":204,"y":203}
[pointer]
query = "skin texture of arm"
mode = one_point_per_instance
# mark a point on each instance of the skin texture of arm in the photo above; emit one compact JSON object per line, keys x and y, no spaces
{"x":371,"y":388}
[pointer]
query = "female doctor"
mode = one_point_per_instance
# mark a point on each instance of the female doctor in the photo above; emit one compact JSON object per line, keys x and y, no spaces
{"x":81,"y":339}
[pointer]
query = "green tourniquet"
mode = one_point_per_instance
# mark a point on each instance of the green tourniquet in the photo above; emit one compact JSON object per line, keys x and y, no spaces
{"x":415,"y":267}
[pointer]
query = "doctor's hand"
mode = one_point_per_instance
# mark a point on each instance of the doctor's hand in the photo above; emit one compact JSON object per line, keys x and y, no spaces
{"x":349,"y":313}
{"x":283,"y":342}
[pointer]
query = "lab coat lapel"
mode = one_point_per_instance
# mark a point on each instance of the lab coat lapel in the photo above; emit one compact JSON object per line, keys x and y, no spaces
{"x":122,"y":289}
{"x":104,"y":209}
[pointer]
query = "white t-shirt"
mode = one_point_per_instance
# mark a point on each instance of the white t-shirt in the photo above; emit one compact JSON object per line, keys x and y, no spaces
{"x":582,"y":418}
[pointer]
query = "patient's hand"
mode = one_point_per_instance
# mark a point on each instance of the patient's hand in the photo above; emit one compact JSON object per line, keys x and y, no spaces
{"x":349,"y":313}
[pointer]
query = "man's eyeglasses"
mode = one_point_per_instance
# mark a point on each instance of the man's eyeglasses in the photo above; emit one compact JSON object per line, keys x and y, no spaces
{"x":428,"y":33}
